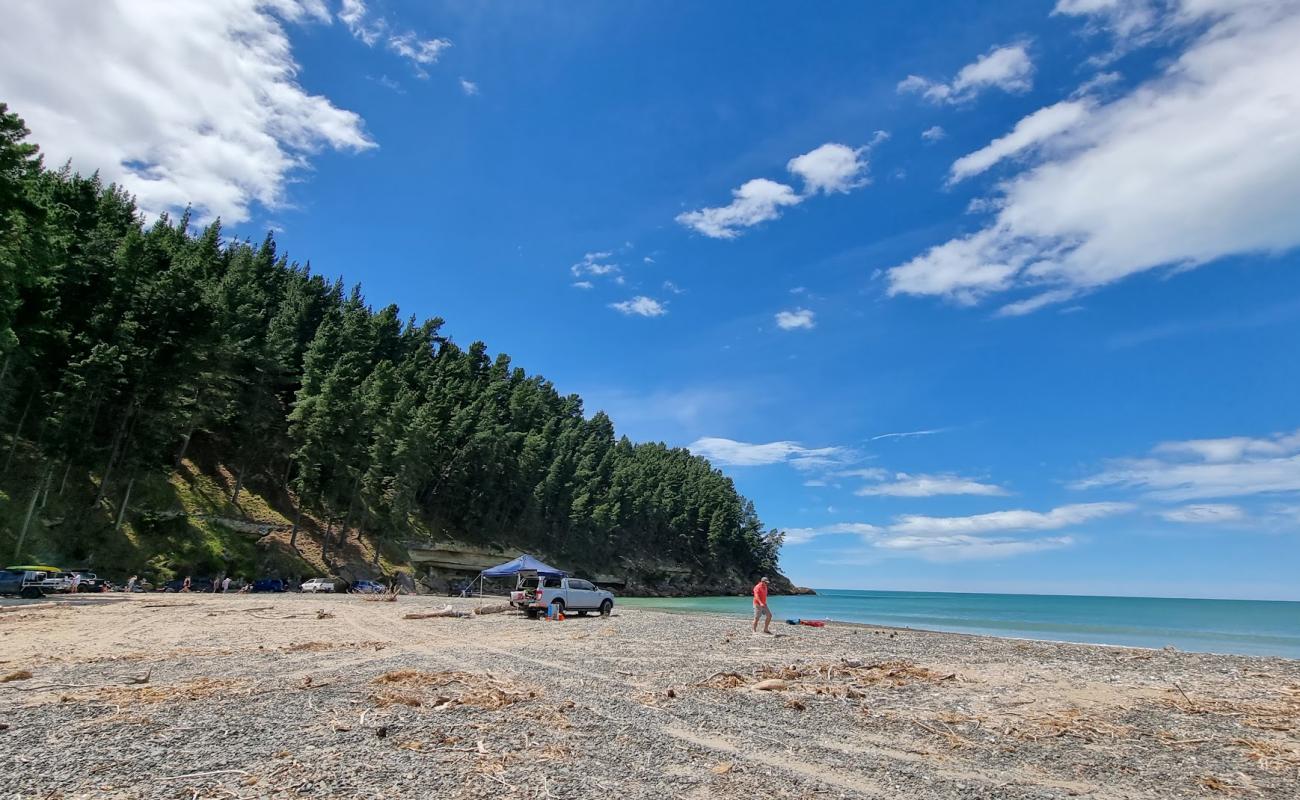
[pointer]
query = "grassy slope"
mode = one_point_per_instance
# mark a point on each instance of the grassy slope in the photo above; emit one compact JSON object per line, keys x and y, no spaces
{"x":180,"y":524}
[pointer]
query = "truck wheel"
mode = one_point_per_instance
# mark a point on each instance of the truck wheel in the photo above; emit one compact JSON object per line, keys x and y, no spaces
{"x":31,"y":593}
{"x":606,"y":608}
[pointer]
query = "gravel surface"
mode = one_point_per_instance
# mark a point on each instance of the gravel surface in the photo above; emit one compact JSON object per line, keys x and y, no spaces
{"x":203,"y":696}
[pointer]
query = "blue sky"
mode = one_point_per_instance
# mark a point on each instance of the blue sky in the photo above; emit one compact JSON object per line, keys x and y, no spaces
{"x":1054,"y":243}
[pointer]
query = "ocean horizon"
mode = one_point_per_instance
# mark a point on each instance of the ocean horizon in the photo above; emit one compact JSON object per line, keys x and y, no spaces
{"x":1242,"y":627}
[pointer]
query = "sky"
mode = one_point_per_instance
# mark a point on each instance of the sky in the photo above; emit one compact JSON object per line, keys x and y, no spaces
{"x":998,"y":297}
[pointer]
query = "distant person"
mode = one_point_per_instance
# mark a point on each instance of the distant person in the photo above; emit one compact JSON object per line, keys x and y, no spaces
{"x":760,"y":607}
{"x":76,"y":583}
{"x":185,"y":586}
{"x":130,"y":583}
{"x":225,"y":584}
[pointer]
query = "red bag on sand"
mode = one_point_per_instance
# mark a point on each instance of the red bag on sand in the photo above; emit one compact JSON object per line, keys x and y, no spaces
{"x":812,"y":623}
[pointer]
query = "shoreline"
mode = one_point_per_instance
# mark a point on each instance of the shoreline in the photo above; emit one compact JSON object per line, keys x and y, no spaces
{"x":1191,"y":640}
{"x":157,"y":696}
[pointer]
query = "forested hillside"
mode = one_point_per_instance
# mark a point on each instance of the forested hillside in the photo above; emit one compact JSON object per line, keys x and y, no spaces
{"x":132,"y":353}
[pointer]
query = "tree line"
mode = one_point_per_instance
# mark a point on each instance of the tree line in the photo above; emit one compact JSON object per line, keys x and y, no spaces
{"x":125,"y":345}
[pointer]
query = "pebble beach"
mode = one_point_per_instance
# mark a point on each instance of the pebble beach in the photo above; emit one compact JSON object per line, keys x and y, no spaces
{"x":337,"y":696}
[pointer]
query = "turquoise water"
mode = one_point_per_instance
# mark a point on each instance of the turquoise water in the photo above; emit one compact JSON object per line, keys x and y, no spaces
{"x":1250,"y":627}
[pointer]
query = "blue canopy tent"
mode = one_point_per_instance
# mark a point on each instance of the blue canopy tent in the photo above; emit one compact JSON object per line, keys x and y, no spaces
{"x":524,"y":563}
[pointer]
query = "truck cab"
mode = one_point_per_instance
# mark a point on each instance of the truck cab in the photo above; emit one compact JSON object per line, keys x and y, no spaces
{"x":535,"y":593}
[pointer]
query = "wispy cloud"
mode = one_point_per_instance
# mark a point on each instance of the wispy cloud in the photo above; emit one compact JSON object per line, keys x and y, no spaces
{"x":1008,"y":68}
{"x":1029,"y":132}
{"x":370,"y":30}
{"x":905,"y":485}
{"x":908,"y":434}
{"x":1197,"y":469}
{"x":982,"y":536}
{"x":933,"y":133}
{"x":1206,"y":514}
{"x":829,"y":169}
{"x":732,"y":453}
{"x":469,"y":87}
{"x":795,"y":319}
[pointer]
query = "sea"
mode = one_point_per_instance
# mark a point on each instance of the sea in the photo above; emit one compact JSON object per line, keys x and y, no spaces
{"x":1245,"y":627}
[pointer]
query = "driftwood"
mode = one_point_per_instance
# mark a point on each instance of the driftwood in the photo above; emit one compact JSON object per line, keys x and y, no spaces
{"x":447,"y":611}
{"x":27,"y":607}
{"x":499,"y":608}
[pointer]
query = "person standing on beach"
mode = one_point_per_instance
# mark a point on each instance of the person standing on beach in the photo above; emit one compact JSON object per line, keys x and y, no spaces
{"x":225,"y":584}
{"x":760,"y":607}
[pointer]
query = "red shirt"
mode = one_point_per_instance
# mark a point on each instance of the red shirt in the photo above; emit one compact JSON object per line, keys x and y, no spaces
{"x":760,"y":594}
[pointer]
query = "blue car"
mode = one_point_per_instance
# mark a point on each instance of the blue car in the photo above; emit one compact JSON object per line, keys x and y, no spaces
{"x":367,"y":587}
{"x":268,"y":585}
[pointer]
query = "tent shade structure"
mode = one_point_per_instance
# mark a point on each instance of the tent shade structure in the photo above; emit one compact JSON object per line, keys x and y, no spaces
{"x":524,"y":563}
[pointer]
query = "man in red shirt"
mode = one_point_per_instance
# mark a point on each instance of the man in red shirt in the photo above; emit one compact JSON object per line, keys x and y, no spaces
{"x":760,"y":607}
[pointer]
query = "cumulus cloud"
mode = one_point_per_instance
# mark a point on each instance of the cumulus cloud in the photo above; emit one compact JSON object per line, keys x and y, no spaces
{"x":756,"y":201}
{"x":905,"y":485}
{"x":179,"y":103}
{"x":1198,"y":163}
{"x":1199,"y":469}
{"x":1039,"y":126}
{"x":641,"y":306}
{"x":1008,"y":68}
{"x":1208,"y":513}
{"x":795,"y":318}
{"x":371,"y":30}
{"x":829,"y":169}
{"x":731,"y":453}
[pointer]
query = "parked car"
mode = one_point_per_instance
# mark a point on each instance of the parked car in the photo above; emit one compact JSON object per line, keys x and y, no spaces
{"x":196,"y":585}
{"x":536,"y":593}
{"x":25,"y":584}
{"x":42,"y":579}
{"x":316,"y":585}
{"x":368,"y":587}
{"x":268,"y":585}
{"x":90,"y":582}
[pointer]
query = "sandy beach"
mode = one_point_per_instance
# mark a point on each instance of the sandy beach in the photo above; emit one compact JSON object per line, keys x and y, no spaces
{"x":203,"y":696}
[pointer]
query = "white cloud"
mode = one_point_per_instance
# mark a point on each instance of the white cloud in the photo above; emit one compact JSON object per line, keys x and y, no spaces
{"x":830,"y":168}
{"x":758,"y":200}
{"x":997,"y":521}
{"x":640,"y":306}
{"x":179,"y":103}
{"x":907,"y":434}
{"x":468,"y":87}
{"x":584,"y":285}
{"x":905,"y":485}
{"x":1124,"y":17}
{"x":796,"y":318}
{"x":370,"y":30}
{"x":669,"y":286}
{"x":1008,"y":68}
{"x":970,"y":548}
{"x":966,"y":538}
{"x":595,"y":264}
{"x":1209,"y":513}
{"x":933,"y":133}
{"x":1199,"y":163}
{"x":732,"y":453}
{"x":1200,"y":469}
{"x":1028,"y":132}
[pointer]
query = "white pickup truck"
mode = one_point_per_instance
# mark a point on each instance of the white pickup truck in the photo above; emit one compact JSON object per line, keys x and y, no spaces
{"x":535,"y":593}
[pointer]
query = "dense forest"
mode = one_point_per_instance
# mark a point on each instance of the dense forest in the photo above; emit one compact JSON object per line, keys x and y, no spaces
{"x":129,"y":347}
